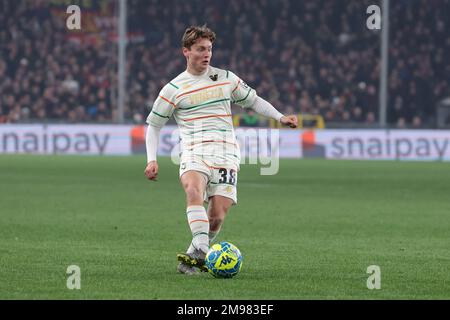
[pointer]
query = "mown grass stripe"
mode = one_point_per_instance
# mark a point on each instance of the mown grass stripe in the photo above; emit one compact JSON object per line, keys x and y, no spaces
{"x":355,"y":214}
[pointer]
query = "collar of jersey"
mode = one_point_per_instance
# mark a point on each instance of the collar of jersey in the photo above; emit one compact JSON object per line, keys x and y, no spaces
{"x":201,"y":75}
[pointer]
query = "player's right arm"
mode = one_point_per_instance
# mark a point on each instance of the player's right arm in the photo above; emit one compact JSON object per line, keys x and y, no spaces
{"x":162,"y":110}
{"x":151,"y":142}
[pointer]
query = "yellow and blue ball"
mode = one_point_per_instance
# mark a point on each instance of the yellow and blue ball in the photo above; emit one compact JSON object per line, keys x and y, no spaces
{"x":224,"y":260}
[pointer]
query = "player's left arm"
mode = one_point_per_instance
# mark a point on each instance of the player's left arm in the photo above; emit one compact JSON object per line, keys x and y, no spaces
{"x":246,"y":97}
{"x":264,"y":108}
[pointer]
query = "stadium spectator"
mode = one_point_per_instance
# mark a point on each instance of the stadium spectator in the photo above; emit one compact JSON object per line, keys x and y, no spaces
{"x":249,"y":119}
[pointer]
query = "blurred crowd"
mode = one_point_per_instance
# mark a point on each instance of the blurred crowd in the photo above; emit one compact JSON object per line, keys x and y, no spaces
{"x":44,"y":76}
{"x":312,"y":57}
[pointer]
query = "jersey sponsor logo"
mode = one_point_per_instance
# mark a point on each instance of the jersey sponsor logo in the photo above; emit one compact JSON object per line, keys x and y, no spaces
{"x":203,"y":96}
{"x":214,"y":77}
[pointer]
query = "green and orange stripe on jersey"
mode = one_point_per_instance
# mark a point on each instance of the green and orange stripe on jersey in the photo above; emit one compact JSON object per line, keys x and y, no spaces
{"x":176,"y":87}
{"x":248,"y":93}
{"x":168,"y":101}
{"x":205,"y":104}
{"x":160,"y":115}
{"x":239,"y":81}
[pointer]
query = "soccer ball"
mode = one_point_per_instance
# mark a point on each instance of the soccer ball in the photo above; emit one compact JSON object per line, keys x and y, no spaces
{"x":223,"y":260}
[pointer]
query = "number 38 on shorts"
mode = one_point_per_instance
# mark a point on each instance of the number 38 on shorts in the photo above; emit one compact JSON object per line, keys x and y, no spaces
{"x":219,"y":181}
{"x":227,"y":176}
{"x":223,"y":182}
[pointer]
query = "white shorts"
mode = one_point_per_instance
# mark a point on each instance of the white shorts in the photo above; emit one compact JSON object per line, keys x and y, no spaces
{"x":219,"y":181}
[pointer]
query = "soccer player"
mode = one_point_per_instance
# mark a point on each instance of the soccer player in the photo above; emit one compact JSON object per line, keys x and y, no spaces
{"x":200,"y":100}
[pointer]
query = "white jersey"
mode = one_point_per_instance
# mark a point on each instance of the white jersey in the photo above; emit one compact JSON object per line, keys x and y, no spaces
{"x":201,"y":106}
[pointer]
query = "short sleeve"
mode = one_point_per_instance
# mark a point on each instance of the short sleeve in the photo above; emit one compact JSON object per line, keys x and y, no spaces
{"x":163,"y":107}
{"x":241,"y":93}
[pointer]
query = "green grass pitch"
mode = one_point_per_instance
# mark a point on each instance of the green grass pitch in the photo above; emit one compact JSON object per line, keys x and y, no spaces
{"x":309,"y":232}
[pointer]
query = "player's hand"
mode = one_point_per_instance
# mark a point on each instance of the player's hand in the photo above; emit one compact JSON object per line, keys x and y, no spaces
{"x":151,"y":171}
{"x":290,"y":121}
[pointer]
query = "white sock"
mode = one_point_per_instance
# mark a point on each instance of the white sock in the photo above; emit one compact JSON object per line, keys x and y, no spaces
{"x":199,"y":224}
{"x":212,"y":236}
{"x":190,"y":249}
